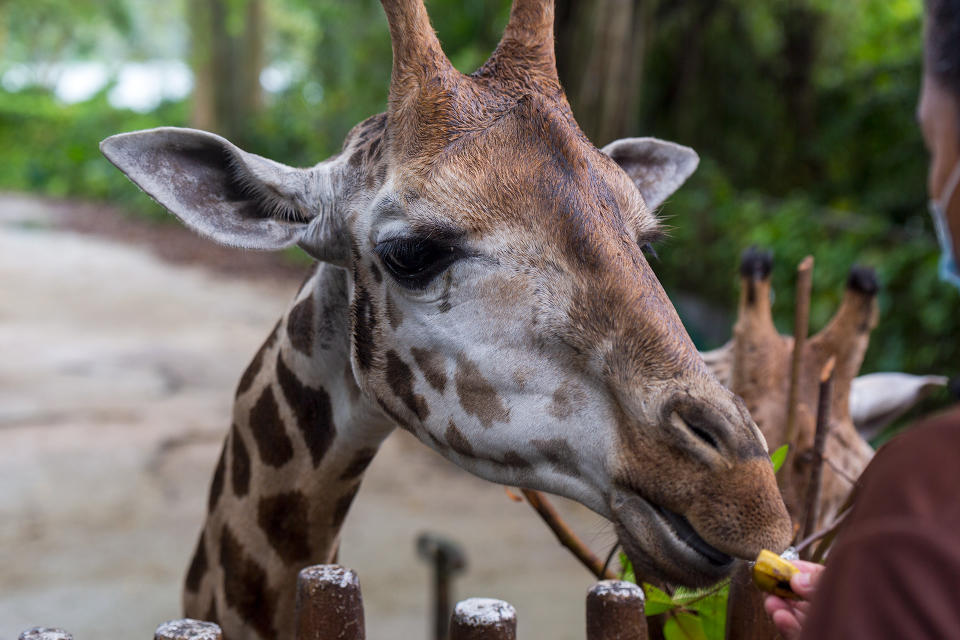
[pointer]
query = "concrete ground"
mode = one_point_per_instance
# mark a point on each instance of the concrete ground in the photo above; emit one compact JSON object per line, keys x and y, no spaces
{"x":117,"y":371}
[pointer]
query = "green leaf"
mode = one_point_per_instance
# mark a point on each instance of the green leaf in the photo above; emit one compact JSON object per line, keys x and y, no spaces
{"x":713,"y":614}
{"x":657,"y":601}
{"x":779,"y":456}
{"x":626,"y":569}
{"x":684,"y":625}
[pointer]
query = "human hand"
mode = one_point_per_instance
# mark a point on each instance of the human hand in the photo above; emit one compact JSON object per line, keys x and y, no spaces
{"x":788,"y":615}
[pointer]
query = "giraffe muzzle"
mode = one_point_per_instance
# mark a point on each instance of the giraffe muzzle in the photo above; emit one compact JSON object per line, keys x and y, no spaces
{"x":663,"y":546}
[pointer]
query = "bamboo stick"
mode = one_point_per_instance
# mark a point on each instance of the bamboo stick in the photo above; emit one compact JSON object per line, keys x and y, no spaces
{"x":812,"y":503}
{"x":801,"y":327}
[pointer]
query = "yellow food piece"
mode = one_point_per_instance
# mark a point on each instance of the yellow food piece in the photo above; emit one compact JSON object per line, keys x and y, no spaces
{"x":772,"y":574}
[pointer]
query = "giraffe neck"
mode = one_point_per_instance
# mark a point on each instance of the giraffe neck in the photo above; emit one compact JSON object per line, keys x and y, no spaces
{"x":301,"y":439}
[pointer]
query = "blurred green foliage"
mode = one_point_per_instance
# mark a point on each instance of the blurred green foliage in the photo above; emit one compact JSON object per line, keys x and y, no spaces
{"x":51,"y":148}
{"x":802,"y":111}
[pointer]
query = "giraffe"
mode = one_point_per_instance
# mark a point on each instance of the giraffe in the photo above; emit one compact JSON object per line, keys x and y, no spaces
{"x":480,"y":283}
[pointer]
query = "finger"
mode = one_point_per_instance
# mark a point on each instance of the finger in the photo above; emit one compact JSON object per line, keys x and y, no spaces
{"x":787,"y":624}
{"x":807,"y":567}
{"x":801,"y":606}
{"x":772,"y":604}
{"x":800,"y":613}
{"x":804,"y":583}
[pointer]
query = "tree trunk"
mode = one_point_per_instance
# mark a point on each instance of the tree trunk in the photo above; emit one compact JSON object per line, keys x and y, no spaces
{"x":227,"y":58}
{"x":600,"y":58}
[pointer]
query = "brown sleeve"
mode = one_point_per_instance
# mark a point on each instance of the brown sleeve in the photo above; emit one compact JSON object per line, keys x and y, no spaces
{"x":895,"y":569}
{"x":895,"y":580}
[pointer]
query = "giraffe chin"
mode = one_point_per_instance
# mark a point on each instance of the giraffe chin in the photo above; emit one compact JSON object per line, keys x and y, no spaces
{"x":663,"y":546}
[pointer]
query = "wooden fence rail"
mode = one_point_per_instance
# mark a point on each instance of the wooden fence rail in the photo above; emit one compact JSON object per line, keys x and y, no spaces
{"x":330,"y":605}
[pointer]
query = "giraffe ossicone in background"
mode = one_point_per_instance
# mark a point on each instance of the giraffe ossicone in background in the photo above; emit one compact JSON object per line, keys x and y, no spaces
{"x":755,"y":364}
{"x":480,"y":284}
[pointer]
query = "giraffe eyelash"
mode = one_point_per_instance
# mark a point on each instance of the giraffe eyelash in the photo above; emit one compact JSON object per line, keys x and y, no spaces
{"x":415,"y":261}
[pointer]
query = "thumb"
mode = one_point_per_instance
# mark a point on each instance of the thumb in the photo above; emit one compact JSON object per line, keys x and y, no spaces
{"x":804,"y":583}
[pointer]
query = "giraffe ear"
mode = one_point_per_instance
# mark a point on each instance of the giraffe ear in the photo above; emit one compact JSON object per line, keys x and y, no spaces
{"x":657,"y":167}
{"x":231,"y":196}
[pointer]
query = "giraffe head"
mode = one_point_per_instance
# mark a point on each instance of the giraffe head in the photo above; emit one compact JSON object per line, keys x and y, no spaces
{"x":502,"y":309}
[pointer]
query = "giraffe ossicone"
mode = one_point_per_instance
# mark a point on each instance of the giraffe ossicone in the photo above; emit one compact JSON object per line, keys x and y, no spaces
{"x":480,"y":283}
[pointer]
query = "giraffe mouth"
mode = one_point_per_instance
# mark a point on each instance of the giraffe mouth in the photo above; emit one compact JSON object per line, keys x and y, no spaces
{"x":663,"y":545}
{"x":685,"y":532}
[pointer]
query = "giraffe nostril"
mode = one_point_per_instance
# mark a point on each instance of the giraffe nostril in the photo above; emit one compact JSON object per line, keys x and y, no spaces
{"x":696,"y":430}
{"x":705,"y":436}
{"x":701,"y":422}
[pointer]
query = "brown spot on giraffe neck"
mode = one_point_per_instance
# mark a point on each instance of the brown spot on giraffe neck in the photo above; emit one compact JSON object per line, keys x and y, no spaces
{"x":250,"y":373}
{"x":364,"y":327}
{"x":313,"y":411}
{"x":477,"y":396}
{"x":300,"y":325}
{"x":559,"y":454}
{"x":431,"y":364}
{"x":400,"y":379}
{"x":458,"y":441}
{"x":216,"y":485}
{"x":198,"y":566}
{"x":343,"y":506}
{"x":285,"y":521}
{"x":269,"y":432}
{"x":361,"y":460}
{"x":239,"y":464}
{"x":394,"y":314}
{"x":245,"y":586}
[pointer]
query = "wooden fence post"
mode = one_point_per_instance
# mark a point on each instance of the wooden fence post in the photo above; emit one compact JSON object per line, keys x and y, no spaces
{"x":615,"y":611}
{"x":483,"y":619}
{"x":45,"y":633}
{"x":329,"y":604}
{"x":188,"y":629}
{"x":746,"y":618}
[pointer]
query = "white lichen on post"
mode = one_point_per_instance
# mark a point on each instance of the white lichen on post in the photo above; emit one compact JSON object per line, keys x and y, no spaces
{"x":483,"y":619}
{"x":188,"y":629}
{"x":45,"y":633}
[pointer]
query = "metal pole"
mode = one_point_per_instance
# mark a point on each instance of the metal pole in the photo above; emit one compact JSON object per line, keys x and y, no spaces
{"x":447,"y":559}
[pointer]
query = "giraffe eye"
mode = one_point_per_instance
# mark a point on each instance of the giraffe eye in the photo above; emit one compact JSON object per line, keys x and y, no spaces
{"x":415,"y":262}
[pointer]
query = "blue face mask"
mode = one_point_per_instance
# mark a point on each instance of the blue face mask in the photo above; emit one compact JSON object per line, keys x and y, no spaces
{"x":949,"y":262}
